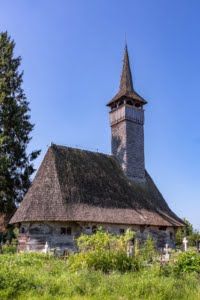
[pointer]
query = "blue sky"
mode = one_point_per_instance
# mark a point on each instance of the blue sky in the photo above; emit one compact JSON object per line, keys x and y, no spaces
{"x":72,"y":57}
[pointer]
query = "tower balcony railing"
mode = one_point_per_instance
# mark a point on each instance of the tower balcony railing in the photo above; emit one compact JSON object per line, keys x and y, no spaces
{"x":127,"y":112}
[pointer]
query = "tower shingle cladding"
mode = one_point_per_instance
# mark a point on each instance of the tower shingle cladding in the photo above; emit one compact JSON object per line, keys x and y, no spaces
{"x":128,"y":140}
{"x":135,"y":150}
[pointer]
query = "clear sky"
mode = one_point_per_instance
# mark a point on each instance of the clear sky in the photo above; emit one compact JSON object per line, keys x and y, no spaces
{"x":72,"y":54}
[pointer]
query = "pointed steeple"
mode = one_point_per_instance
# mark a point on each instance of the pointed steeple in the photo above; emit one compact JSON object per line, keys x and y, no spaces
{"x":126,"y":83}
{"x":126,"y":88}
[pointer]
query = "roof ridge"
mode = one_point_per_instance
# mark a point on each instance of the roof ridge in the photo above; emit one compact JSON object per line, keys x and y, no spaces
{"x":83,"y":150}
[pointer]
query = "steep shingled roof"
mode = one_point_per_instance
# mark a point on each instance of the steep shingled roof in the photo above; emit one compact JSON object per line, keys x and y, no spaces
{"x":78,"y":185}
{"x":126,"y":88}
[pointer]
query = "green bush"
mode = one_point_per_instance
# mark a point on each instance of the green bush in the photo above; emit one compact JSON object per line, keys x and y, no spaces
{"x":106,"y":261}
{"x":108,"y":252}
{"x":9,"y":249}
{"x":105,"y":252}
{"x":103,"y":241}
{"x":187,"y":262}
{"x":148,"y":252}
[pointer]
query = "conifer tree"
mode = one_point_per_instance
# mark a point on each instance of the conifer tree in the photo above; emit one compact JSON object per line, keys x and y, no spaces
{"x":16,"y":166}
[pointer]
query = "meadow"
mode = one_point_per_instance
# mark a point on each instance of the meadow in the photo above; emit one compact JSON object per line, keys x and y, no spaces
{"x":45,"y":277}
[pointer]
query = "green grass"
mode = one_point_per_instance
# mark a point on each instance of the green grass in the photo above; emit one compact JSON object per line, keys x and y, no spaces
{"x":41,"y":277}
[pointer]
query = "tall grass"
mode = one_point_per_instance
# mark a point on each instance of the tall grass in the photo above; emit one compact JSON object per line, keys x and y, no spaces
{"x":43,"y":277}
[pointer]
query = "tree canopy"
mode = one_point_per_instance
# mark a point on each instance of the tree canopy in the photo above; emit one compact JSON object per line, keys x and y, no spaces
{"x":193,"y":235}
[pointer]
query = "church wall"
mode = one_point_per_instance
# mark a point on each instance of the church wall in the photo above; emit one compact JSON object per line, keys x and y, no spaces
{"x":40,"y":237}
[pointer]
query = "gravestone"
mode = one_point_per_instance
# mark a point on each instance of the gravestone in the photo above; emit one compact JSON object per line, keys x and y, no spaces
{"x":46,"y":247}
{"x":129,"y":249}
{"x":166,"y":256}
{"x":184,"y":245}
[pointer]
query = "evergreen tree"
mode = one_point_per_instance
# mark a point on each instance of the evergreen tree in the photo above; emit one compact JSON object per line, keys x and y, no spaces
{"x":16,"y":166}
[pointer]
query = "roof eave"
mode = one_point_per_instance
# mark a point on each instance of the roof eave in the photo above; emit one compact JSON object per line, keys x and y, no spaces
{"x":95,"y":221}
{"x":119,"y":96}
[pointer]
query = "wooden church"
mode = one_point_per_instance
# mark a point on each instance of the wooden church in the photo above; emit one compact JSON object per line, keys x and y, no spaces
{"x":76,"y":191}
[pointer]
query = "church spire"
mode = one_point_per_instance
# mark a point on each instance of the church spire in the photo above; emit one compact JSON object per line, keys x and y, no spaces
{"x":126,"y":121}
{"x":126,"y":89}
{"x":126,"y":83}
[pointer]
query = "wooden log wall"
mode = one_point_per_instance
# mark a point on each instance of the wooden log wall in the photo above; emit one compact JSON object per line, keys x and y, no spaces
{"x":60,"y":237}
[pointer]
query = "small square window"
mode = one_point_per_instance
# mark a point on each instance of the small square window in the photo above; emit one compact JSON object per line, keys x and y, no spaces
{"x":163,"y":228}
{"x":69,"y":231}
{"x":62,"y":230}
{"x":66,"y":230}
{"x":122,"y":231}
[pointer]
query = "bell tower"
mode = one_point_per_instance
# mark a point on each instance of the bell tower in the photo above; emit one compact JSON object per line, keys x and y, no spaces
{"x":127,"y":125}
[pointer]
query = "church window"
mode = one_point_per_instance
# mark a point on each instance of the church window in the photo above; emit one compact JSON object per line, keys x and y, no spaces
{"x":69,"y":231}
{"x":62,"y":230}
{"x":171,"y":235}
{"x":22,"y":230}
{"x":163,"y":228}
{"x":66,"y":230}
{"x":122,"y":231}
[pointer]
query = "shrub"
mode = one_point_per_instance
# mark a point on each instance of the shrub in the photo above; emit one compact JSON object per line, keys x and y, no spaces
{"x":105,"y":252}
{"x":108,"y":252}
{"x":106,"y":261}
{"x":148,"y":251}
{"x":104,"y":241}
{"x":9,"y":249}
{"x":187,"y":262}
